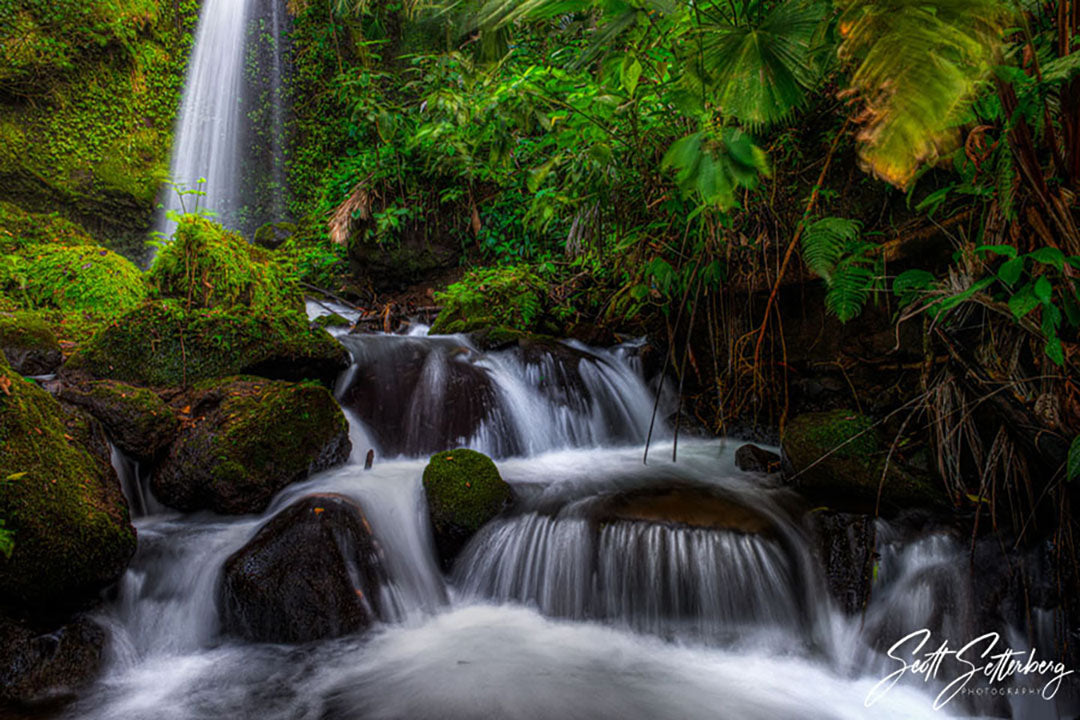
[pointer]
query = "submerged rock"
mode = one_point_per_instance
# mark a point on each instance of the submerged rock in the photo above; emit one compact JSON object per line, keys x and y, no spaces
{"x":751,"y":458}
{"x":464,"y":491}
{"x":846,"y":550}
{"x":136,"y":419}
{"x":60,"y":500}
{"x":314,"y":571}
{"x":43,"y":668}
{"x":682,"y":506}
{"x":243,"y":439}
{"x":162,"y":344}
{"x":29,"y":344}
{"x":838,"y":457}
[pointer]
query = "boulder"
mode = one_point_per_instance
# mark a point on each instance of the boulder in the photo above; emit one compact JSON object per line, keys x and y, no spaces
{"x":751,"y":458}
{"x":29,"y":344}
{"x":273,"y":235}
{"x":136,"y":419}
{"x":681,"y":506}
{"x":838,"y":458}
{"x":845,"y":546}
{"x":61,"y":504}
{"x":42,"y":668}
{"x":77,"y":278}
{"x":314,"y":571}
{"x":162,"y":344}
{"x":243,"y":439}
{"x":464,"y":491}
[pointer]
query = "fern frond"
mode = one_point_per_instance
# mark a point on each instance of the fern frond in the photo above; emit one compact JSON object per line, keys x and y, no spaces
{"x":826,"y":241}
{"x":849,"y":288}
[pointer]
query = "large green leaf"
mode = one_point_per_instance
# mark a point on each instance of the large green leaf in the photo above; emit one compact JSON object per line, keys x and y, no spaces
{"x":917,"y":66}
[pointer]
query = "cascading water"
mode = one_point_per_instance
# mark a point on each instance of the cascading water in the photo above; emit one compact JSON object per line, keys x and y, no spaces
{"x":612,"y":589}
{"x":231,"y":107}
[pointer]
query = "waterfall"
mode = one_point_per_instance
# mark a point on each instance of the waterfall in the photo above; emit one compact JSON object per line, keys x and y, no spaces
{"x":233,"y":96}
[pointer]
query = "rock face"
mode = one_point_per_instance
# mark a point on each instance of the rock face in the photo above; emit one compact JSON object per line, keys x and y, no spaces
{"x":60,"y":501}
{"x":846,"y":548}
{"x":243,"y":439}
{"x":751,"y":458}
{"x":837,"y":457}
{"x":464,"y":491}
{"x":314,"y":571}
{"x":41,"y":668}
{"x":29,"y":345}
{"x":136,"y":419}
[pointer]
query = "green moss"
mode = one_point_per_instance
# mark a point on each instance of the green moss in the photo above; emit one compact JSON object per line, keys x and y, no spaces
{"x":60,"y":502}
{"x":838,"y":457}
{"x":509,"y":297}
{"x":90,"y":92}
{"x":20,"y":229}
{"x":80,"y":278}
{"x":333,"y":320}
{"x":464,"y":489}
{"x":251,"y":438}
{"x":136,"y":419}
{"x":162,"y":344}
{"x":26,"y":330}
{"x":208,"y":267}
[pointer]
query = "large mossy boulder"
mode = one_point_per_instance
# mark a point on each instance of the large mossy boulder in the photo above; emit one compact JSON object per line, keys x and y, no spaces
{"x":137,"y":420}
{"x":838,"y":458}
{"x":314,"y":571}
{"x":162,"y":344}
{"x":44,"y":667}
{"x":80,"y":278}
{"x":464,"y":491}
{"x":221,"y":307}
{"x":29,"y":344}
{"x":243,"y":439}
{"x":207,"y":266}
{"x":60,"y":501}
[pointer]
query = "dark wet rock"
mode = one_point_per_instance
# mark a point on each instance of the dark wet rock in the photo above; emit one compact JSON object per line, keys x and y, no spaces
{"x":314,"y":571}
{"x":846,"y":549}
{"x":751,"y":458}
{"x":136,"y":419}
{"x":838,"y":457}
{"x":243,"y":439}
{"x":418,"y":397}
{"x":60,"y":501}
{"x":42,"y":669}
{"x":29,"y":344}
{"x":273,"y":235}
{"x":464,"y":490}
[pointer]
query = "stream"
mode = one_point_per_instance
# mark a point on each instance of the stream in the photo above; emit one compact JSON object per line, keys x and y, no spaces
{"x":547,"y":613}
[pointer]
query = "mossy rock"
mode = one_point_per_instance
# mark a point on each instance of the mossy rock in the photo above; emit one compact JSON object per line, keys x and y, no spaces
{"x":838,"y":457}
{"x":80,"y":278}
{"x":20,"y":229}
{"x":60,"y":500}
{"x":464,"y":491}
{"x":244,"y":439}
{"x":139,"y":422}
{"x":333,"y":320}
{"x":160,"y":344}
{"x":29,"y":344}
{"x":273,"y":234}
{"x":207,"y":266}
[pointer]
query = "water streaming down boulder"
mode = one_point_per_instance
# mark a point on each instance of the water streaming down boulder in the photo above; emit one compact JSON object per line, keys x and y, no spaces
{"x":230,"y":130}
{"x":420,"y":395}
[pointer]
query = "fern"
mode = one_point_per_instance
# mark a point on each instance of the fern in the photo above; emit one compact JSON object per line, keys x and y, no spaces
{"x":825,"y":242}
{"x":833,"y":250}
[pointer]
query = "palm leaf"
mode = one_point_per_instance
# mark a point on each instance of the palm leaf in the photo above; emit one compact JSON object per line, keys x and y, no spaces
{"x":917,"y":67}
{"x":760,"y":71}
